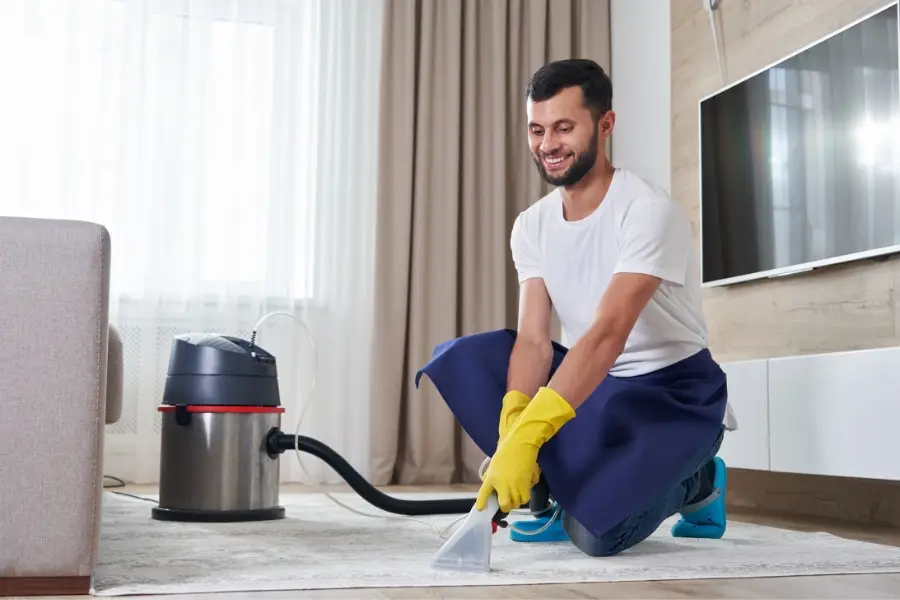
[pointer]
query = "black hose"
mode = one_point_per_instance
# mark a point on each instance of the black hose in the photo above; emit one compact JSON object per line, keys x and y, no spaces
{"x":279,"y":442}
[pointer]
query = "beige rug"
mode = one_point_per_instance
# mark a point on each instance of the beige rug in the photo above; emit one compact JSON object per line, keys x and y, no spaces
{"x":321,"y":545}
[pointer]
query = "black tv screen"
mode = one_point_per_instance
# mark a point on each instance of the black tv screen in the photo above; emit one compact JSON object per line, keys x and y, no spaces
{"x":800,"y":162}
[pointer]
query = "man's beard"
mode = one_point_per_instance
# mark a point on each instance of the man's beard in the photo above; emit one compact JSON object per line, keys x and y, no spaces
{"x":581,"y":166}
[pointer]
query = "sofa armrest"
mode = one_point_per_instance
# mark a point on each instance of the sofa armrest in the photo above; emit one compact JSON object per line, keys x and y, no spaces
{"x":54,"y":296}
{"x":115,"y":376}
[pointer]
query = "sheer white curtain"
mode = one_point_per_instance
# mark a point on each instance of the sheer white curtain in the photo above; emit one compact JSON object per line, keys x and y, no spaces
{"x":230,"y":148}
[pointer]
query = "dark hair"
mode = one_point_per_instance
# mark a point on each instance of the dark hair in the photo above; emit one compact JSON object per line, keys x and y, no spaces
{"x":553,"y":77}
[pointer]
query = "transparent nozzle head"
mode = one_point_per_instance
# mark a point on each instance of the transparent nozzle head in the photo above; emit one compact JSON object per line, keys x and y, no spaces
{"x":469,"y":548}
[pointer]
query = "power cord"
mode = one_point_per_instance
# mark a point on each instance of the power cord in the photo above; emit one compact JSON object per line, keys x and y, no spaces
{"x":711,"y":6}
{"x":121,"y":483}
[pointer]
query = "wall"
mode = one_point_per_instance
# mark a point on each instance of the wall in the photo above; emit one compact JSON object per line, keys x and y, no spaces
{"x":841,"y":308}
{"x":640,"y":72}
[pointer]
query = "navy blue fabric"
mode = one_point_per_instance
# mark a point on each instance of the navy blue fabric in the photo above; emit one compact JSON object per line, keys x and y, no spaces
{"x":631,"y":442}
{"x":637,"y":527}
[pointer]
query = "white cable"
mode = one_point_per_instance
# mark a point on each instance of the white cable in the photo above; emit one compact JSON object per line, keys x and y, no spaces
{"x":300,"y":422}
{"x":710,"y":8}
{"x":306,"y":405}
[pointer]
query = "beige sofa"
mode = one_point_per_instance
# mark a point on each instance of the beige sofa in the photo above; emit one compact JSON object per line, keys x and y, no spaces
{"x":60,"y":383}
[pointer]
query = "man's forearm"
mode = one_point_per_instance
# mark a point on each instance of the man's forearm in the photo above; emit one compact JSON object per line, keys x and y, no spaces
{"x":585,"y":367}
{"x":529,"y":366}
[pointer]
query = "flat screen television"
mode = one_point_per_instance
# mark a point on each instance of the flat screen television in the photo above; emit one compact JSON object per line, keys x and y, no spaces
{"x":800,"y":161}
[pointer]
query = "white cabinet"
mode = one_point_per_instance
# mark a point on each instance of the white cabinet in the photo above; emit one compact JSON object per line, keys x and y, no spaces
{"x":748,"y":446}
{"x":836,"y":414}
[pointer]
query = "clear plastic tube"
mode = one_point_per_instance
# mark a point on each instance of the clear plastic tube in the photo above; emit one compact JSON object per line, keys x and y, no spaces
{"x":556,"y":509}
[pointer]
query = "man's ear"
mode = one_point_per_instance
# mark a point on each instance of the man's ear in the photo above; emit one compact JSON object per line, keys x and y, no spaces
{"x":607,"y":123}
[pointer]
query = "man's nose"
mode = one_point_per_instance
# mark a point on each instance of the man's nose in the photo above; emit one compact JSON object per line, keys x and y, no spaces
{"x":549,"y":144}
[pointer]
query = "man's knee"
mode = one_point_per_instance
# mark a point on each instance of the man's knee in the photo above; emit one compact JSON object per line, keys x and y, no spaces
{"x":618,"y":539}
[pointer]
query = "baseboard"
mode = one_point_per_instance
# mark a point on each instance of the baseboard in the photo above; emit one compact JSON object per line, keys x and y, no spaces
{"x":45,"y":586}
{"x":863,"y":501}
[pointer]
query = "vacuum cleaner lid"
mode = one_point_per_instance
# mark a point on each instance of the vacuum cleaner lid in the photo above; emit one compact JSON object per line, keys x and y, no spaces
{"x":213,"y":354}
{"x":212,"y":369}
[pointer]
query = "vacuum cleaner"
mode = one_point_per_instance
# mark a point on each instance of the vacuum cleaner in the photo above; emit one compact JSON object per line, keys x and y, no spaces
{"x":222,"y":439}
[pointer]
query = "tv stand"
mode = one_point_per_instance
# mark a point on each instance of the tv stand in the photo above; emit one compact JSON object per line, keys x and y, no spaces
{"x":832,"y":414}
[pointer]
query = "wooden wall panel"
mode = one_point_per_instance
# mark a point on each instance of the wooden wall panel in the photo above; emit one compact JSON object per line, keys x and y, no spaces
{"x":853,"y":306}
{"x":847,"y":307}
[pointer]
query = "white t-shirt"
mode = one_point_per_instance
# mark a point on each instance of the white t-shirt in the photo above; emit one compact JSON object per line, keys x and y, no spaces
{"x":637,"y":228}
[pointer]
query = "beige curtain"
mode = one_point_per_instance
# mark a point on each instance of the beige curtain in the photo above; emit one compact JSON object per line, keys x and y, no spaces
{"x":455,"y":171}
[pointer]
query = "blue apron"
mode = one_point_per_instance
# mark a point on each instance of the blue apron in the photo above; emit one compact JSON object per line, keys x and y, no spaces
{"x":633,"y":439}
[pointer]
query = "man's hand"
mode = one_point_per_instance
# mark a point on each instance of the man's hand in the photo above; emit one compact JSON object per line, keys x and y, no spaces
{"x":590,"y":359}
{"x":514,"y":402}
{"x":511,"y":474}
{"x":513,"y":468}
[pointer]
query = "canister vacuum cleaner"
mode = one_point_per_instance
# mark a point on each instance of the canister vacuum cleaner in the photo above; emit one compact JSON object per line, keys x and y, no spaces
{"x":222,"y":439}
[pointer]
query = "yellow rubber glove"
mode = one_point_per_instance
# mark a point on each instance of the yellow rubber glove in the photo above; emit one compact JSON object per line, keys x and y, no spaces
{"x":510,"y":473}
{"x":513,"y":404}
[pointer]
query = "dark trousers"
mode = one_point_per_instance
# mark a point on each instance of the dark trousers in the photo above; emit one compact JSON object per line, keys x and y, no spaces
{"x":638,"y":526}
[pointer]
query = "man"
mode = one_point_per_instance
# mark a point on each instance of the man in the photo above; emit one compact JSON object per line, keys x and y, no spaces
{"x":625,"y":425}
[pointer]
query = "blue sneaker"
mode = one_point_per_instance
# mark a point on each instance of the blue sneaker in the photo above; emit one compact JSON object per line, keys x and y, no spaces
{"x":707,"y":518}
{"x":523,"y":531}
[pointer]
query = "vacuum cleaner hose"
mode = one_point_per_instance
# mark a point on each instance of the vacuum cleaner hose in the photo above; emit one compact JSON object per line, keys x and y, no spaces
{"x":279,"y":442}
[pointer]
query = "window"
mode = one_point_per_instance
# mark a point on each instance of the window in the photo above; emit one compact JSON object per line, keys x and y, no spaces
{"x":185,"y":134}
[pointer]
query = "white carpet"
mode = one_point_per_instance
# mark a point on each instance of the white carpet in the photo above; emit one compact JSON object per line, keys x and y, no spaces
{"x":321,"y":545}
